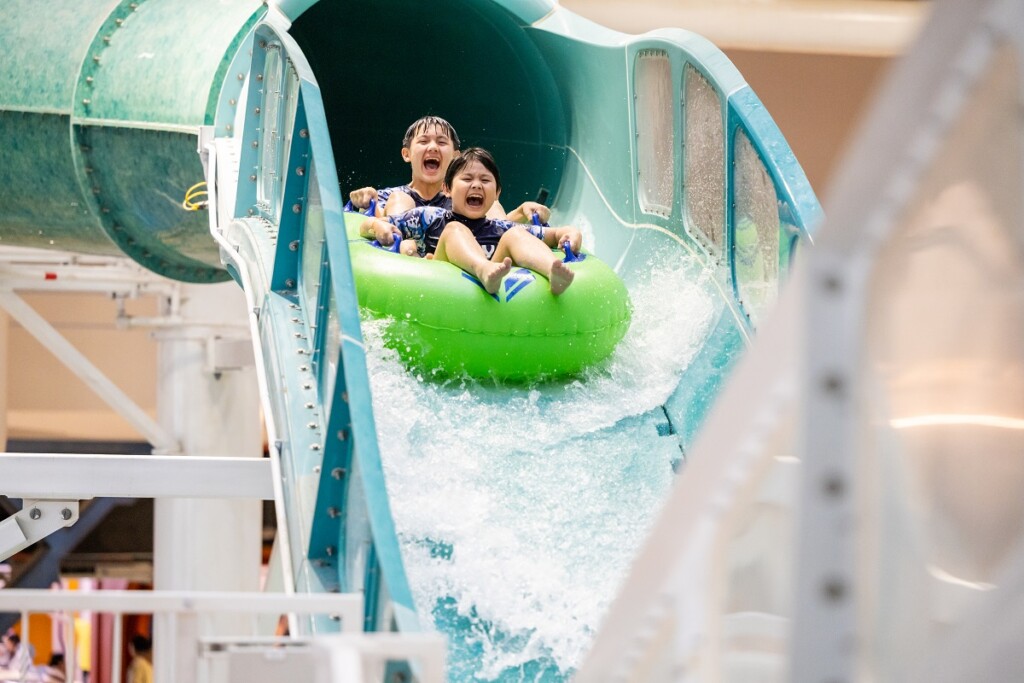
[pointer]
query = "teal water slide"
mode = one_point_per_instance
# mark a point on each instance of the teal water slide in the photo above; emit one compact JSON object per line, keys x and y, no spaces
{"x":653,"y":145}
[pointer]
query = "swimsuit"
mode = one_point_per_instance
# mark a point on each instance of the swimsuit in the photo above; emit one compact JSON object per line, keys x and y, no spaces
{"x":426,"y":224}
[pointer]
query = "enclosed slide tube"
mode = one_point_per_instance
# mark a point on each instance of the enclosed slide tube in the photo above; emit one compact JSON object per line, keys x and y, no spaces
{"x":653,"y":144}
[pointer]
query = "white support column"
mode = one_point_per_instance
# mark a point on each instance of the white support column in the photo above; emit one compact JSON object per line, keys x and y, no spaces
{"x":202,"y":544}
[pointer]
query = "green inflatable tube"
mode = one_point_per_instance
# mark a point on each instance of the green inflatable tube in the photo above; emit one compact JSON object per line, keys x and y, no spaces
{"x":446,"y":324}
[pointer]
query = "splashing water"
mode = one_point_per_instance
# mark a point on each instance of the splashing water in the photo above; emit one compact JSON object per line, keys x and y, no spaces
{"x":519,"y":509}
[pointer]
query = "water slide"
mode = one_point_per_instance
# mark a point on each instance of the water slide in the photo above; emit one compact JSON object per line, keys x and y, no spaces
{"x":505,"y":516}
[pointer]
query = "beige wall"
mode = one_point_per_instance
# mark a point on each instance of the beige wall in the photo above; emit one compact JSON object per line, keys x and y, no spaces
{"x":815,"y":99}
{"x":46,"y":401}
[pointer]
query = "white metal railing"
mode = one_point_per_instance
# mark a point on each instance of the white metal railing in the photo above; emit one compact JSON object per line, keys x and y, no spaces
{"x":220,"y":659}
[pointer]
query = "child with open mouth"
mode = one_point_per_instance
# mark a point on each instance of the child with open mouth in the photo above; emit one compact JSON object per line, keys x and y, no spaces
{"x":465,"y":235}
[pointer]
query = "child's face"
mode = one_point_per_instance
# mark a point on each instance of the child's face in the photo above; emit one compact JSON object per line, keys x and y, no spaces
{"x":473,"y":190}
{"x":430,"y":152}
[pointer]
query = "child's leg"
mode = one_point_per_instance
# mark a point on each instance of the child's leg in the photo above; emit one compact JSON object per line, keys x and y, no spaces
{"x":528,"y":251}
{"x":458,"y":246}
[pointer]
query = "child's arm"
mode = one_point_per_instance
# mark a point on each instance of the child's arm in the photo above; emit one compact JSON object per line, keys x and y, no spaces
{"x":378,"y":229}
{"x":524,"y":213}
{"x":362,"y":197}
{"x":556,"y":237}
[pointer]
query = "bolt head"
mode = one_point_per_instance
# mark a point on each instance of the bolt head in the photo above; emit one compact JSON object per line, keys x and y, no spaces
{"x":293,"y":245}
{"x":35,"y":513}
{"x":65,"y":514}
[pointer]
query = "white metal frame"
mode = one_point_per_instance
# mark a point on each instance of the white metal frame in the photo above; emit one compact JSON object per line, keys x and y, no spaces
{"x":56,"y":475}
{"x":807,"y":360}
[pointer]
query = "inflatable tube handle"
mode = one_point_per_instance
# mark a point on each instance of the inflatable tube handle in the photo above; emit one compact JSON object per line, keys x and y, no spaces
{"x":569,"y":256}
{"x":394,"y":245}
{"x":566,"y":247}
{"x":370,"y":211}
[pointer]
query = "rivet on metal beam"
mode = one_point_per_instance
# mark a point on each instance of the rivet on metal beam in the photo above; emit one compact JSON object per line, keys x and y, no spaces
{"x":35,"y":513}
{"x":293,"y":245}
{"x":289,"y":283}
{"x":338,"y":472}
{"x":303,"y":133}
{"x":65,"y":514}
{"x":296,"y":208}
{"x":333,"y":512}
{"x":314,"y":446}
{"x":259,"y":77}
{"x":300,"y":171}
{"x":252,"y":177}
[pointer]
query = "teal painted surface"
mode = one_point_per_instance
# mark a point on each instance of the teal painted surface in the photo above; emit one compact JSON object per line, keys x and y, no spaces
{"x":43,"y":203}
{"x":100,"y":105}
{"x":339,"y":519}
{"x":382,"y":65}
{"x":43,"y":51}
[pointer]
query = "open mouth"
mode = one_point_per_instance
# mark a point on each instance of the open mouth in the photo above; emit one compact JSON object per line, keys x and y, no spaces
{"x":475,"y":201}
{"x":432,"y":165}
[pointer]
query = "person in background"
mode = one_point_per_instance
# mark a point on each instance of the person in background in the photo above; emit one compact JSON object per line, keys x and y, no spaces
{"x":55,"y":671}
{"x":140,"y":669}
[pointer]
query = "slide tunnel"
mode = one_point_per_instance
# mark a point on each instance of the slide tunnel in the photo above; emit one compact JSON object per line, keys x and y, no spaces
{"x":653,"y":145}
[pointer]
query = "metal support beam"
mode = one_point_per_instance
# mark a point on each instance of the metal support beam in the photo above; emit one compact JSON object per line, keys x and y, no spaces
{"x":54,"y":475}
{"x":44,"y":567}
{"x":36,"y":520}
{"x":84,"y":369}
{"x":348,"y":607}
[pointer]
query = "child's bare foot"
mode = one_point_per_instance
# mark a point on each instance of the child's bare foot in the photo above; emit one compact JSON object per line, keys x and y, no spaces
{"x":491,"y":272}
{"x":560,"y":277}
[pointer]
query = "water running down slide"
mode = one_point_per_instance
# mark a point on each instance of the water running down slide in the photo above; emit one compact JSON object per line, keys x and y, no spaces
{"x":508,"y":515}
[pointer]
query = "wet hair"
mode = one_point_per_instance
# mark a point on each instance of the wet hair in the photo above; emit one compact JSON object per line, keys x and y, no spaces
{"x":142,"y":644}
{"x":426,"y":123}
{"x":466,"y":158}
{"x":15,"y":639}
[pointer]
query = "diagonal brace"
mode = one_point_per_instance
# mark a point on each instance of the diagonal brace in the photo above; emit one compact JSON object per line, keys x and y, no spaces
{"x":36,"y":520}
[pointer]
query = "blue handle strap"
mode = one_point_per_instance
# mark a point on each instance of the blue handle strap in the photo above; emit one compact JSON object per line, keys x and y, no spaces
{"x":566,"y":246}
{"x":370,"y":211}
